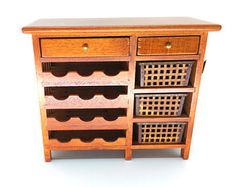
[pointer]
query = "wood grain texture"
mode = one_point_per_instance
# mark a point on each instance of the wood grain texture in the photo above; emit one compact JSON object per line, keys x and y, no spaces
{"x":98,"y":143}
{"x":164,"y":90}
{"x":167,"y":57}
{"x":97,"y":123}
{"x":74,"y":47}
{"x":194,"y":97}
{"x":119,"y":25}
{"x":74,"y":79}
{"x":161,"y":119}
{"x":178,"y":45}
{"x":131,"y":87}
{"x":158,"y":146}
{"x":110,"y":41}
{"x":75,"y":102}
{"x":57,"y":146}
{"x":85,"y":59}
{"x":45,"y":136}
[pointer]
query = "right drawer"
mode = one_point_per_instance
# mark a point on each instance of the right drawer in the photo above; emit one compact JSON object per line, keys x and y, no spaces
{"x":175,"y":45}
{"x":159,"y":105}
{"x":165,"y":73}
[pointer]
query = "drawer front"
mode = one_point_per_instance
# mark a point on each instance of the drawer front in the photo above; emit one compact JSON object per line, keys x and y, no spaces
{"x":168,"y":45}
{"x":84,"y":47}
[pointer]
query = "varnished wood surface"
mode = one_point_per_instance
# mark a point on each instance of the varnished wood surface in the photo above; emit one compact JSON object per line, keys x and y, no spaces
{"x":96,"y":143}
{"x":75,"y":102}
{"x":159,"y":146}
{"x":119,"y":24}
{"x":132,"y":29}
{"x":74,"y":79}
{"x":157,"y":45}
{"x":131,"y":86}
{"x":45,"y":136}
{"x":86,"y":59}
{"x":167,"y":57}
{"x":160,"y":119}
{"x":74,"y":47}
{"x":58,"y":146}
{"x":97,"y":123}
{"x":192,"y":103}
{"x":164,"y":90}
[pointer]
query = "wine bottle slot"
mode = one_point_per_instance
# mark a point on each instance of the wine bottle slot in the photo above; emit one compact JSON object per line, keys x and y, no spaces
{"x":86,"y":114}
{"x":86,"y":93}
{"x":87,"y":69}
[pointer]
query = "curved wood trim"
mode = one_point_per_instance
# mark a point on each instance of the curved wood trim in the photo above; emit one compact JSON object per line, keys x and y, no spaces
{"x":74,"y":79}
{"x":98,"y":101}
{"x":78,"y":143}
{"x":97,"y":123}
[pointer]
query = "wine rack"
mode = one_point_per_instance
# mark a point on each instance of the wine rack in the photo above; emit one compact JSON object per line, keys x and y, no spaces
{"x":118,"y":84}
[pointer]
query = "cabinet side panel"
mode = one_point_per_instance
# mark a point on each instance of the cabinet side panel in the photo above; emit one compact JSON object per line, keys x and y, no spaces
{"x":194,"y":97}
{"x":36,"y":47}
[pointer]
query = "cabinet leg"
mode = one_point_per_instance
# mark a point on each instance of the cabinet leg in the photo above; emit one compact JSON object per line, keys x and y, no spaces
{"x":47,"y":155}
{"x":185,"y":153}
{"x":128,"y":154}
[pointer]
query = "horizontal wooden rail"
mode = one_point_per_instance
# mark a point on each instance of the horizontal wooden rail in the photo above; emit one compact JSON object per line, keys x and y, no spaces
{"x":168,"y":57}
{"x":98,"y":101}
{"x":98,"y":143}
{"x":83,"y":59}
{"x":97,"y":123}
{"x":165,"y":90}
{"x":160,"y":119}
{"x":74,"y":79}
{"x":158,"y":146}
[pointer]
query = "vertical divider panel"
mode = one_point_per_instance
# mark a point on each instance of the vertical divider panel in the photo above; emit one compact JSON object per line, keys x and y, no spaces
{"x":196,"y":82}
{"x":131,"y":86}
{"x":37,"y":54}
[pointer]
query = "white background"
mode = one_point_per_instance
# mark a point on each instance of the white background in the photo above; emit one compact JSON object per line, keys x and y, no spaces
{"x":21,"y":158}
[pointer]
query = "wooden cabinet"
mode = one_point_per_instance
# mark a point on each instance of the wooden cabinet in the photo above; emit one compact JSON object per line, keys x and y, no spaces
{"x":118,"y":84}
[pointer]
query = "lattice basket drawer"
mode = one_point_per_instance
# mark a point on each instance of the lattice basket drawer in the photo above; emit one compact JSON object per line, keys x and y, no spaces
{"x":160,"y":133}
{"x":159,"y":104}
{"x":154,"y":74}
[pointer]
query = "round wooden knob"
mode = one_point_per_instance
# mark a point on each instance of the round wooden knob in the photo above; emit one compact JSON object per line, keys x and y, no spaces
{"x":85,"y":47}
{"x":168,"y":45}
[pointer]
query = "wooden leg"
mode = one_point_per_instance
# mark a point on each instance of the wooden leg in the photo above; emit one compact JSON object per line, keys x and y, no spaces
{"x":128,"y":154}
{"x":47,"y":154}
{"x":185,"y":153}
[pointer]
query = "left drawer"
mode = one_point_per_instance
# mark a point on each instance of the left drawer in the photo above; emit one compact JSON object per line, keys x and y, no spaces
{"x":84,"y":47}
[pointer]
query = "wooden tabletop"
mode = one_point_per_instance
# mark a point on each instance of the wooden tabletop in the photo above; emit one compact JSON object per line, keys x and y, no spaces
{"x":158,"y":23}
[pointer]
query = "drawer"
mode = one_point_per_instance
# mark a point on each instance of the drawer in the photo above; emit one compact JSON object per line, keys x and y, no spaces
{"x":160,"y":133}
{"x":168,"y":45}
{"x":84,"y":47}
{"x":154,"y":105}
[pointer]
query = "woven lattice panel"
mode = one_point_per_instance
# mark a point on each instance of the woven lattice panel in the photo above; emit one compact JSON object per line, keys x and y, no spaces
{"x":165,"y":73}
{"x":159,"y":104}
{"x":160,"y":132}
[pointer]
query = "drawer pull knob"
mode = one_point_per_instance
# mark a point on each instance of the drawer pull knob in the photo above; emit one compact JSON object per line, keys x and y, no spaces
{"x":85,"y":47}
{"x":168,"y":45}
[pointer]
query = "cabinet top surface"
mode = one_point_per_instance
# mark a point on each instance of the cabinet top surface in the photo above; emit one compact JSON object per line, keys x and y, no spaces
{"x":155,"y":23}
